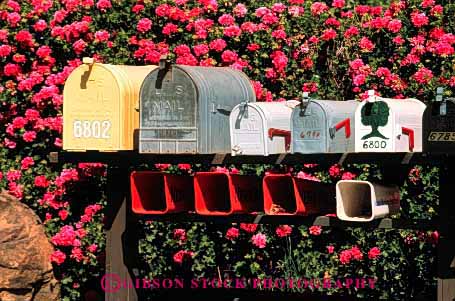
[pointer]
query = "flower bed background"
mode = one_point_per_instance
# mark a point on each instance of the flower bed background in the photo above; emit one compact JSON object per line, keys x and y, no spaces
{"x":335,"y":50}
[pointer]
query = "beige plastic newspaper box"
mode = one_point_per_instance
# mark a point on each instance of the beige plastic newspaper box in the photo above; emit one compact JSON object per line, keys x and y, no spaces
{"x":363,"y":201}
{"x":101,"y":106}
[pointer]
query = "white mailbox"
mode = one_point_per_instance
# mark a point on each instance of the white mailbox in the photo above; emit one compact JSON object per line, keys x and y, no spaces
{"x":323,"y":126}
{"x":261,"y":128}
{"x":389,"y":125}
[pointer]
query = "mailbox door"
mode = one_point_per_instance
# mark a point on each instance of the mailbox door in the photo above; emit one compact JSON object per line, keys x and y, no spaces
{"x":169,"y":113}
{"x":375,"y":127}
{"x":309,"y":133}
{"x":439,"y":130}
{"x":247,"y":131}
{"x":92,"y":109}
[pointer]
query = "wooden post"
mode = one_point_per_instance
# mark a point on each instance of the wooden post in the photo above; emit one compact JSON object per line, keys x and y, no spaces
{"x":117,"y":222}
{"x":446,"y":246}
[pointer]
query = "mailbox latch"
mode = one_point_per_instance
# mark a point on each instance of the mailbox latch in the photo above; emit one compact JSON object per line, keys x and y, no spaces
{"x":304,"y":103}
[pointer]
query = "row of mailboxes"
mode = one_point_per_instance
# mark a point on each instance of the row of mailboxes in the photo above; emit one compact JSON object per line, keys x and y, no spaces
{"x":186,"y":109}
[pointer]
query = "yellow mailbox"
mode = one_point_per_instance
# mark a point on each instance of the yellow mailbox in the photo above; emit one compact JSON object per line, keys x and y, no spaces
{"x":101,"y":106}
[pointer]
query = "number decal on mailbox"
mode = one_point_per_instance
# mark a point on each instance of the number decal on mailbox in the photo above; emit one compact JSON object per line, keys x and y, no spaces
{"x":91,"y":129}
{"x":374,"y":144}
{"x":441,"y":136}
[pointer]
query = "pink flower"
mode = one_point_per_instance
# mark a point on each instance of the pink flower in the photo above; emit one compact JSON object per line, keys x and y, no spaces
{"x":27,"y":162}
{"x":259,"y":240}
{"x":359,"y":79}
{"x":419,"y":19}
{"x":103,"y":5}
{"x":58,"y":257}
{"x":423,"y":75}
{"x":278,"y":7}
{"x":374,"y":252}
{"x":251,"y":228}
{"x":40,"y":25}
{"x":77,"y":254}
{"x":226,"y":20}
{"x":394,"y":26}
{"x":13,"y":175}
{"x":232,"y":233}
{"x":182,"y":255}
{"x":29,"y":136}
{"x":201,"y":49}
{"x":229,"y":56}
{"x":315,"y":230}
{"x":330,"y":249}
{"x":102,"y":36}
{"x":366,"y":45}
{"x":144,"y":25}
{"x":348,"y":176}
{"x":232,"y":31}
{"x":13,"y":19}
{"x":240,"y":10}
{"x":65,"y":237}
{"x":317,"y":8}
{"x":180,"y":234}
{"x":92,"y":248}
{"x":279,"y":60}
{"x":169,"y":29}
{"x":283,"y":230}
{"x":307,"y":176}
{"x":79,"y":46}
{"x":218,"y":45}
{"x":5,"y":50}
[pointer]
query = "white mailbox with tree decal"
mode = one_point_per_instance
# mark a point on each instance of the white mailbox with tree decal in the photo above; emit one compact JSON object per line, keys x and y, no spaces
{"x":389,"y":125}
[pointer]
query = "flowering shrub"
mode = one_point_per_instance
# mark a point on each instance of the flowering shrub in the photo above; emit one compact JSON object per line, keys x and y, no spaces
{"x":334,"y":49}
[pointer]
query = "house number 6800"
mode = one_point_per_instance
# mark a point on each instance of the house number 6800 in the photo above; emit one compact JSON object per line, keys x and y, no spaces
{"x":91,"y":129}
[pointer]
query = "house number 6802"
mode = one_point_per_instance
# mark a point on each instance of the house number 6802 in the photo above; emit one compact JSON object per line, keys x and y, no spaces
{"x":91,"y":129}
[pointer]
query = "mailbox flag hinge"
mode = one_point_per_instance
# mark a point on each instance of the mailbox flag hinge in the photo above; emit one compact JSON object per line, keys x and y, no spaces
{"x":244,"y":109}
{"x":346,"y":124}
{"x":283,"y":133}
{"x":410,"y":133}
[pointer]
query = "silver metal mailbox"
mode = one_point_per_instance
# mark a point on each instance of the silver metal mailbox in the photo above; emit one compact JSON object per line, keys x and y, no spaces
{"x":185,"y":109}
{"x":323,"y":126}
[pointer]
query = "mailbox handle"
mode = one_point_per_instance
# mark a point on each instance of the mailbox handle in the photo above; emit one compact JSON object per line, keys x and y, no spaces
{"x":409,"y":132}
{"x":346,"y":124}
{"x":221,"y":109}
{"x":283,"y":133}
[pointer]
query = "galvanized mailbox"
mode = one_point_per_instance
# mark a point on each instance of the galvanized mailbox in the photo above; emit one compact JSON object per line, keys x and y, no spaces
{"x":100,"y":110}
{"x":185,"y":109}
{"x":261,"y":128}
{"x":323,"y":126}
{"x":439,"y":125}
{"x":389,"y":125}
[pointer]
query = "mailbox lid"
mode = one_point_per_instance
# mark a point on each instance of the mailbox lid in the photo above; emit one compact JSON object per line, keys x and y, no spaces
{"x":310,"y":133}
{"x":185,"y":109}
{"x":98,"y":109}
{"x":250,"y":123}
{"x":439,"y":130}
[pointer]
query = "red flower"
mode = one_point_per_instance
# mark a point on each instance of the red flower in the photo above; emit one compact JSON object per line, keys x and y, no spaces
{"x":63,"y":214}
{"x":374,"y":252}
{"x":348,"y":176}
{"x":226,"y":20}
{"x":218,"y":45}
{"x":335,"y":170}
{"x":180,"y":234}
{"x":251,"y":228}
{"x":182,"y":255}
{"x":79,"y":46}
{"x":232,"y":233}
{"x":5,"y":50}
{"x":58,"y":257}
{"x":169,"y":29}
{"x":232,"y":31}
{"x":356,"y":253}
{"x":229,"y":56}
{"x":315,"y":230}
{"x":318,"y":8}
{"x":338,"y":3}
{"x":394,"y":26}
{"x":101,"y":36}
{"x":29,"y":136}
{"x":329,"y":34}
{"x":283,"y":230}
{"x":330,"y":249}
{"x":345,"y":256}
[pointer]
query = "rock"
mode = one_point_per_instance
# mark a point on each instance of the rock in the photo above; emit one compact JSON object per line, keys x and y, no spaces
{"x":25,"y":269}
